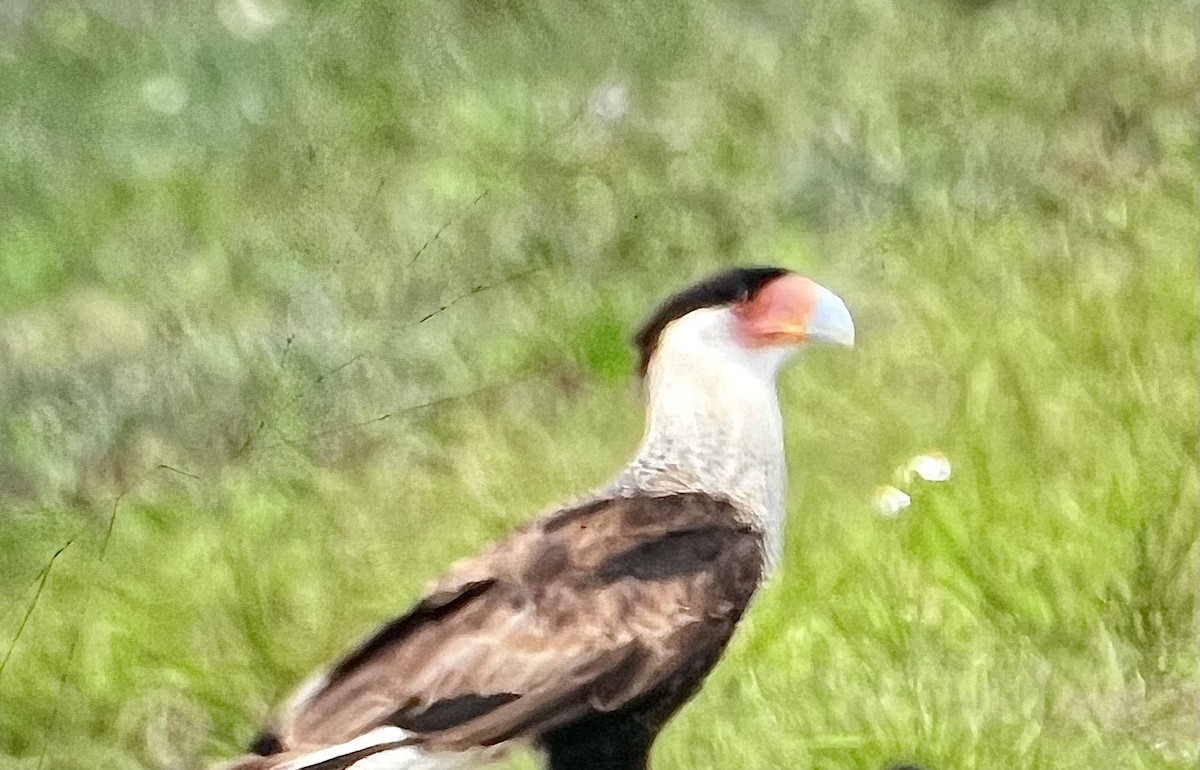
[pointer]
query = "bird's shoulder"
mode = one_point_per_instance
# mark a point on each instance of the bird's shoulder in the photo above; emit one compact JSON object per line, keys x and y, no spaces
{"x":594,"y":539}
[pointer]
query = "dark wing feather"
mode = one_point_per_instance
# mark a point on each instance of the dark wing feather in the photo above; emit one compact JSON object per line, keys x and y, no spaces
{"x":588,"y":610}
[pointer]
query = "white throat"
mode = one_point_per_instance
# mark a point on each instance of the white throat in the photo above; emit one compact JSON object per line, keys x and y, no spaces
{"x":713,"y":422}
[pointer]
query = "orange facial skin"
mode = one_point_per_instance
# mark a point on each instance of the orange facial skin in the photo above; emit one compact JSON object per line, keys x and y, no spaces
{"x":779,"y":312}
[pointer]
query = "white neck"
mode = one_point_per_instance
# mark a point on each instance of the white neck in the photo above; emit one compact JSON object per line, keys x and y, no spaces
{"x":713,"y":423}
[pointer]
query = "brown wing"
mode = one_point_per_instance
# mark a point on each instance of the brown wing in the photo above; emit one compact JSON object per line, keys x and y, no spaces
{"x":588,"y":610}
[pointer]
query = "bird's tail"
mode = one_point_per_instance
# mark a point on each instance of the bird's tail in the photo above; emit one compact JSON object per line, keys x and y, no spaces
{"x":324,"y":760}
{"x":389,"y":744}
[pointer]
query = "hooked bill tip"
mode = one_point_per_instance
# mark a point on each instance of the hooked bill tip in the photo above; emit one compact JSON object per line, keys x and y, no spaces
{"x":830,"y":320}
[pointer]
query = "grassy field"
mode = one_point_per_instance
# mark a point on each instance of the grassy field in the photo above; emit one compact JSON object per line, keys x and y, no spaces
{"x":299,"y":303}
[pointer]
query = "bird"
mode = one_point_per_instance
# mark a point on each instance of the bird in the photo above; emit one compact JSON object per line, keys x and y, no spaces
{"x":582,"y":632}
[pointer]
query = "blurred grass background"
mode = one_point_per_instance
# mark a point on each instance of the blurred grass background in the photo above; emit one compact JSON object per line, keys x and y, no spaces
{"x":300,"y":301}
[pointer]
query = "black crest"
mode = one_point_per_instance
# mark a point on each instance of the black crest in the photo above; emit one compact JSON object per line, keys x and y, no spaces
{"x":724,"y":288}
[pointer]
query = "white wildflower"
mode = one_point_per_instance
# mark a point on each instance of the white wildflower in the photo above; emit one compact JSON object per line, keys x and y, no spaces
{"x":890,"y":501}
{"x":934,"y":466}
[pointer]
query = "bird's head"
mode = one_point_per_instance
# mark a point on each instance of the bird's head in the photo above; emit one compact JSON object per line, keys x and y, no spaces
{"x":753,"y":316}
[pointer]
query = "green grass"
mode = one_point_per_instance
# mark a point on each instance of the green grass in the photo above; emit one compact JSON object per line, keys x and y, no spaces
{"x":292,"y":314}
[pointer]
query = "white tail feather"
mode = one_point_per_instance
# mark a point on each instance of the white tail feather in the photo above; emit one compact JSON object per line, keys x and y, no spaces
{"x":399,"y":758}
